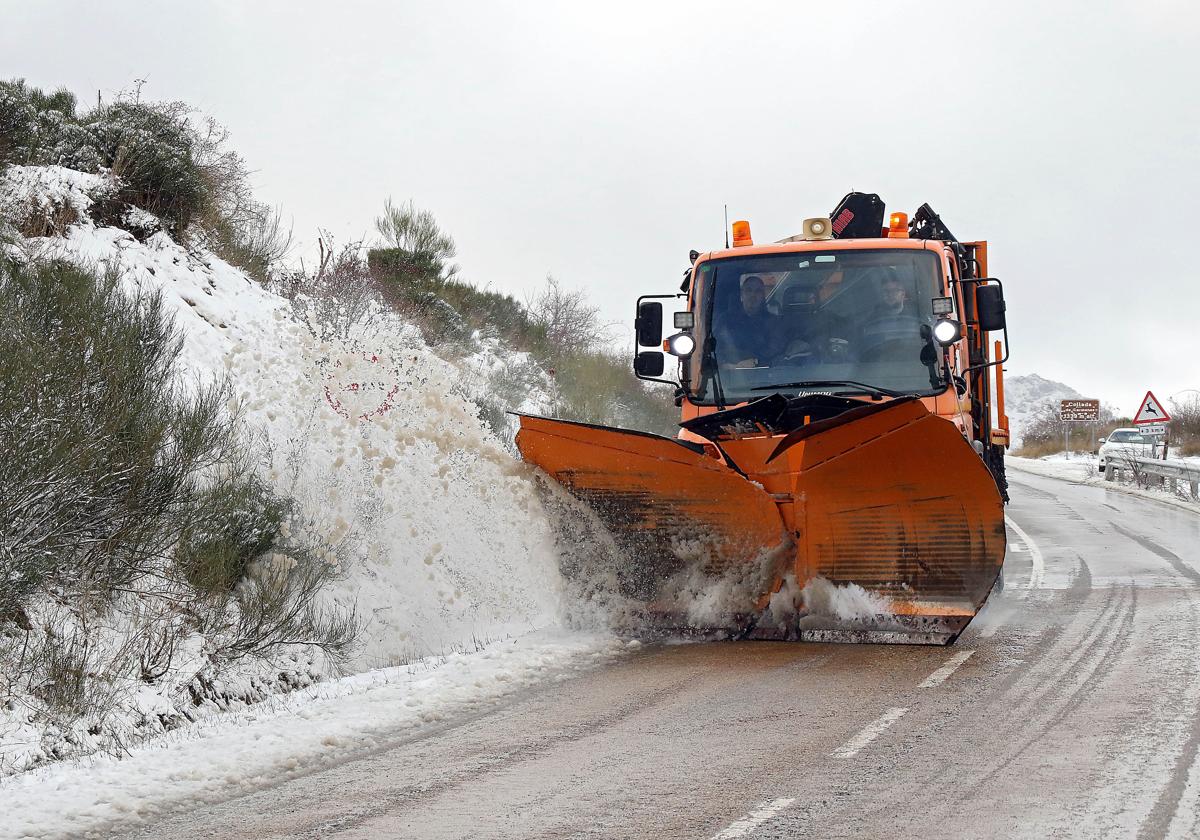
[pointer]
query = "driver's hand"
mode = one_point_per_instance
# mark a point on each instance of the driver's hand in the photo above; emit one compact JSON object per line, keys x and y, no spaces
{"x":747,"y":363}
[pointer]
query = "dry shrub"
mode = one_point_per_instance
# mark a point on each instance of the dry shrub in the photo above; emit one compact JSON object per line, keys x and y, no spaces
{"x":335,"y":296}
{"x":567,"y":318}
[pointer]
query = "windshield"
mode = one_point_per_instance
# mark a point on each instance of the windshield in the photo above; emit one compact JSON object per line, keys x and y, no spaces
{"x":840,"y":321}
{"x":1127,"y":437}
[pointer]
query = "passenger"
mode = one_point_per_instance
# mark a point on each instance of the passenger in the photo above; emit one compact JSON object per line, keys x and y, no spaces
{"x":749,"y":335}
{"x":800,"y":328}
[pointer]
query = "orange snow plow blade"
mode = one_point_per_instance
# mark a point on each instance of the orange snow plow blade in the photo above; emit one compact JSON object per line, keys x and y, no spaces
{"x":886,"y":506}
{"x":662,"y":499}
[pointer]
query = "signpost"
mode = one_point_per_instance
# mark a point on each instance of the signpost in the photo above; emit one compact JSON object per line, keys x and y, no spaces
{"x":1151,"y":419}
{"x":1078,"y":411}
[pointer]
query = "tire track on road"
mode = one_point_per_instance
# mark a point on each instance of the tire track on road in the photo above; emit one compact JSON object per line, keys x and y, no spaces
{"x":1110,"y":649}
{"x":410,"y":795}
{"x":1177,"y":562}
{"x":1057,"y":688}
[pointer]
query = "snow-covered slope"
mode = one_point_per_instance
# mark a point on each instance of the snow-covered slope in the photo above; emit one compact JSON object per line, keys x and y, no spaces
{"x":439,"y":532}
{"x":1023,"y":395}
{"x":440,"y":528}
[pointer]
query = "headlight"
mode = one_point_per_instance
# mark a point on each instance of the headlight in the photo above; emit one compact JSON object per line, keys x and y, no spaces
{"x":681,"y":344}
{"x":947,"y":331}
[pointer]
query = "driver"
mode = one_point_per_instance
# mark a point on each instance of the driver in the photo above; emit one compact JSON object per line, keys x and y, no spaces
{"x":892,"y":327}
{"x":749,"y":335}
{"x":893,"y":300}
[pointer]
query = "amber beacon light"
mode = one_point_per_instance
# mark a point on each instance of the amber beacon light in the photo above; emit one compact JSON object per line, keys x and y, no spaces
{"x":898,"y":226}
{"x":741,"y":234}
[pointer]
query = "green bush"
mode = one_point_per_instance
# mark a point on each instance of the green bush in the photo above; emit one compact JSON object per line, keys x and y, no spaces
{"x":110,"y":449}
{"x":600,"y":387}
{"x":115,"y":474}
{"x":237,"y":520}
{"x":449,"y":310}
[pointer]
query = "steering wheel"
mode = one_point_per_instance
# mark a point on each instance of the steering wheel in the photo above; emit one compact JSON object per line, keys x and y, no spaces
{"x":890,"y":336}
{"x":799,"y":351}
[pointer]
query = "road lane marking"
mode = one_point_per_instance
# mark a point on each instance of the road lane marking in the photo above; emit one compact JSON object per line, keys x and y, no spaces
{"x":942,"y":674}
{"x":869,"y":733}
{"x":1037,"y":576}
{"x":754,"y":819}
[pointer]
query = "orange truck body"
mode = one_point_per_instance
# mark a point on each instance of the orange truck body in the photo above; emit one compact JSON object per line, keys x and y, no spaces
{"x":896,"y":495}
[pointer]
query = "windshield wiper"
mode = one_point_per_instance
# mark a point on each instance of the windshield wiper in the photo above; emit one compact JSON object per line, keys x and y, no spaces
{"x":808,"y":383}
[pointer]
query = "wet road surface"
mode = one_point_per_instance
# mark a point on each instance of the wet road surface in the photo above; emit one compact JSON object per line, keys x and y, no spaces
{"x":1069,"y":708}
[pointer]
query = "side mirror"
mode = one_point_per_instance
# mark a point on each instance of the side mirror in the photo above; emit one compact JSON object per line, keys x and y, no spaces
{"x":650,"y":363}
{"x":649,"y":325}
{"x":990,"y":303}
{"x":1102,"y":441}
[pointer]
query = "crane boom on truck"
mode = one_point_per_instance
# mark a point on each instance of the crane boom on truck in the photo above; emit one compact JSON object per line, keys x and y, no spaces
{"x":842,"y":421}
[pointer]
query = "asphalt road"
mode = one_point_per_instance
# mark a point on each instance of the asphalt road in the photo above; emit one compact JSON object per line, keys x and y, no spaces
{"x":1069,"y":708}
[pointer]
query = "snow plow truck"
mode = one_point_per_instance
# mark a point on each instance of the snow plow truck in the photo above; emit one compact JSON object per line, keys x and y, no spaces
{"x":842,"y":422}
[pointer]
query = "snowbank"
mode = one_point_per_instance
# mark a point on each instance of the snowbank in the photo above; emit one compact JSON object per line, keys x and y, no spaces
{"x":1081,"y":469}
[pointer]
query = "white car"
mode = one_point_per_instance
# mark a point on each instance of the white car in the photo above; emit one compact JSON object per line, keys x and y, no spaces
{"x":1129,"y":442}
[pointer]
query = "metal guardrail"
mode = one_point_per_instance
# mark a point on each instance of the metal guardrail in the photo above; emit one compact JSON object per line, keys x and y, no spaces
{"x":1160,"y":473}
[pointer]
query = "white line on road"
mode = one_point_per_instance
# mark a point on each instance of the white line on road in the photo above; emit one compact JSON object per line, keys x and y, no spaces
{"x":942,"y":674}
{"x":1037,"y":576}
{"x":869,"y":733}
{"x":754,"y":819}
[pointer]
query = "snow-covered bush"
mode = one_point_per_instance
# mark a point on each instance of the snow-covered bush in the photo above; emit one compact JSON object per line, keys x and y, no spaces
{"x":558,"y":329}
{"x":165,"y":159}
{"x":41,"y":128}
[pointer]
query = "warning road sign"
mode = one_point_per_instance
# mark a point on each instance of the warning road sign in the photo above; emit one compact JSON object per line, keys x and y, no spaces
{"x":1151,"y":411}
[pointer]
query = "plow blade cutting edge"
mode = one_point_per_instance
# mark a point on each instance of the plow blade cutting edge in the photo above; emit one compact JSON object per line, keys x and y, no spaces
{"x":887,"y":497}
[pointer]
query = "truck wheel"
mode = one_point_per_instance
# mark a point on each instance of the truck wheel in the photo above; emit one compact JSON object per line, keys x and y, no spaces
{"x":995,"y":465}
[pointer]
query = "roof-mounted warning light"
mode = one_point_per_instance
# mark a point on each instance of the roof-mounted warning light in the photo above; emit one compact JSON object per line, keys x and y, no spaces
{"x":741,"y":234}
{"x":898,"y":226}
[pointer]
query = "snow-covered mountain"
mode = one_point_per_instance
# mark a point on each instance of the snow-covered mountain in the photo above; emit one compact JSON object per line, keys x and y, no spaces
{"x":1023,"y":395}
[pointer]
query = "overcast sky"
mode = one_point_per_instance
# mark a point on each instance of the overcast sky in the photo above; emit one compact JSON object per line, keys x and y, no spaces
{"x":598,"y":142}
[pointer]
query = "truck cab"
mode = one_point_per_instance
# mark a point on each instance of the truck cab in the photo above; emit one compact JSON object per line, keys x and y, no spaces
{"x":867,"y":314}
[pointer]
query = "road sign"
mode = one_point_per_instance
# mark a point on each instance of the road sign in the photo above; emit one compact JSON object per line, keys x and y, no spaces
{"x":1151,"y":411}
{"x":1071,"y":411}
{"x":1153,"y":429}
